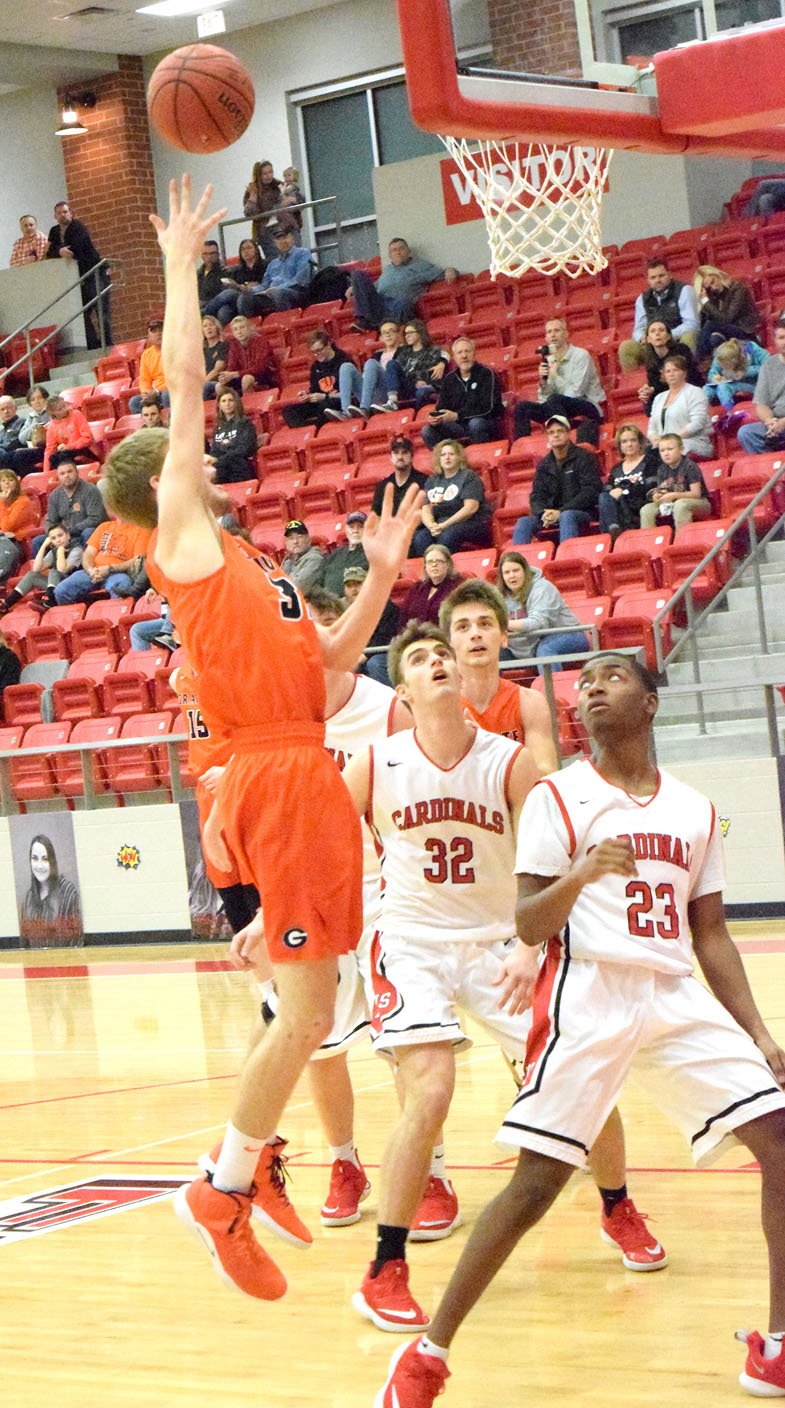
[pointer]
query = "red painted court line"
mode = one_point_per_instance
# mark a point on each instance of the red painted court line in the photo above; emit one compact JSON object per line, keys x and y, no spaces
{"x":760,"y":945}
{"x":302,"y":1163}
{"x":137,"y":968}
{"x":117,"y":1090}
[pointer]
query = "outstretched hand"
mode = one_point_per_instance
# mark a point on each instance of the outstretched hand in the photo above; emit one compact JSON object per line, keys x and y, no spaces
{"x":386,"y":536}
{"x":184,"y":236}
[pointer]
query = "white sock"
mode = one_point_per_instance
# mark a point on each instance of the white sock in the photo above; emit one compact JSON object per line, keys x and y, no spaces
{"x":346,"y":1153}
{"x":773,"y":1346}
{"x":438,"y":1167}
{"x":266,"y":989}
{"x":234,"y":1172}
{"x":426,"y":1346}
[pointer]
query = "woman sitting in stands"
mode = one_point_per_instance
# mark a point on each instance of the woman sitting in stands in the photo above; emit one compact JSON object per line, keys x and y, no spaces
{"x":629,"y":482}
{"x":216,"y":351}
{"x":68,"y":429}
{"x":250,"y":270}
{"x":734,"y":370}
{"x":727,"y":309}
{"x":50,"y":911}
{"x":17,"y":520}
{"x":660,"y":344}
{"x":534,"y":605}
{"x":234,"y":441}
{"x":439,"y":578}
{"x":455,"y":509}
{"x":681,"y":410}
{"x":32,"y":436}
{"x":422,"y":364}
{"x":49,"y":567}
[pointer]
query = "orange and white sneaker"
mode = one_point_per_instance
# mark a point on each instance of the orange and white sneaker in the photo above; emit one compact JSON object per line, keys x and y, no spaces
{"x":765,"y":1378}
{"x":414,"y":1379}
{"x":222,"y":1221}
{"x":348,"y":1188}
{"x":270,"y":1200}
{"x":387,"y":1301}
{"x":438,"y":1214}
{"x":626,"y":1228}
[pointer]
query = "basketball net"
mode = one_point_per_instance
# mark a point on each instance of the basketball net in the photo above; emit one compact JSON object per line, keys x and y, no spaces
{"x":542,"y":205}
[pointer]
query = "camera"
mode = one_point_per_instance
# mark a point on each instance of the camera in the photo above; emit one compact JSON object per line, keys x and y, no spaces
{"x":543,"y":352}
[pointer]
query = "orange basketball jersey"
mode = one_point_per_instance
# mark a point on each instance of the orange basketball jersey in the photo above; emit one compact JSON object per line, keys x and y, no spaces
{"x":503,"y":714}
{"x":206,"y":749}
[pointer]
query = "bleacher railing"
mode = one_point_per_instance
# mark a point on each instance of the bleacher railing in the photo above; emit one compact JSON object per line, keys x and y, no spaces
{"x":24,"y":328}
{"x":269,"y":217}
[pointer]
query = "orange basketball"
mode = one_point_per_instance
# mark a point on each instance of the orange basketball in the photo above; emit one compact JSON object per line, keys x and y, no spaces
{"x":200,"y":98}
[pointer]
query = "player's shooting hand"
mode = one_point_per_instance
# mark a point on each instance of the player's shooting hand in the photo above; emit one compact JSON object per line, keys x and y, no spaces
{"x":183,"y":237}
{"x":248,"y":946}
{"x":610,"y":857}
{"x":386,"y":536}
{"x":774,"y":1055}
{"x":516,"y":979}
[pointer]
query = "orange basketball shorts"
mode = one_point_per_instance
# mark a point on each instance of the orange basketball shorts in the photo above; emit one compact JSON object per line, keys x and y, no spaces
{"x":221,"y":879}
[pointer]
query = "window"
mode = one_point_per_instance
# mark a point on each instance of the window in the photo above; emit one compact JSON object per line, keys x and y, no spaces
{"x":648,"y":27}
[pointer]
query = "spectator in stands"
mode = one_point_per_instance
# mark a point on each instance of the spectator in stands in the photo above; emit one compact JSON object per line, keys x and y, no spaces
{"x":292,"y":195}
{"x":11,"y":426}
{"x":666,"y":298}
{"x":569,"y":386}
{"x":734,"y":371}
{"x":70,"y":239}
{"x":152,"y":378}
{"x":323,"y":394}
{"x":143,"y":635}
{"x":362,"y":393}
{"x":660,"y":344}
{"x":50,"y":566}
{"x":469,"y":403}
{"x":303,"y":561}
{"x":681,"y":410}
{"x":209,"y":275}
{"x":768,"y":431}
{"x":50,"y":911}
{"x":17,"y":517}
{"x":76,"y":505}
{"x":727,"y":309}
{"x":152,"y":416}
{"x":216,"y":354}
{"x":566,"y":488}
{"x":419,"y":364}
{"x":387,"y":626}
{"x":249,"y":270}
{"x":629,"y":482}
{"x":455,"y":511}
{"x":234,"y":442}
{"x":398,"y":287}
{"x":251,"y":364}
{"x":439,"y":577}
{"x":285,"y":281}
{"x":680,"y":493}
{"x":352,"y":555}
{"x":768,"y":197}
{"x":31,"y":245}
{"x":68,"y":429}
{"x":261,"y":197}
{"x":113,"y":560}
{"x":534,"y":606}
{"x":404,"y":474}
{"x":32,"y":436}
{"x":10,"y":666}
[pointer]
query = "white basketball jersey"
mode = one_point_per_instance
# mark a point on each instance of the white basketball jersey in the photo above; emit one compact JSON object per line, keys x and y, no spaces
{"x":448,"y":843}
{"x":640,"y":920}
{"x":365,"y":718}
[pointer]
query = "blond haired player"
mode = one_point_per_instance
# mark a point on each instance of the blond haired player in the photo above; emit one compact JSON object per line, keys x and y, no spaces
{"x":620,"y":874}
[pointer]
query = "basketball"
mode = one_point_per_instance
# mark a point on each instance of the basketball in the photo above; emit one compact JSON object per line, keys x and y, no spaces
{"x":200,"y":98}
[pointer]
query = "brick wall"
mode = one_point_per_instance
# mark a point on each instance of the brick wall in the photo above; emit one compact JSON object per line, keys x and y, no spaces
{"x":541,"y":37}
{"x":110,"y":187}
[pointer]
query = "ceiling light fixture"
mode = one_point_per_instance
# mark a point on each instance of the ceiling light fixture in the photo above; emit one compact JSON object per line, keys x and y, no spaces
{"x":71,"y":126}
{"x":170,"y":9}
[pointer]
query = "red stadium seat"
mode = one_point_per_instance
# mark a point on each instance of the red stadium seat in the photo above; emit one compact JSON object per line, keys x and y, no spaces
{"x":575,"y":576}
{"x":631,"y":624}
{"x":76,"y":697}
{"x":622,"y":572}
{"x":650,"y":540}
{"x":142,"y":768}
{"x":164,"y":696}
{"x":22,"y":703}
{"x":572,"y":735}
{"x":592,"y":611}
{"x":475,"y":563}
{"x":33,"y":778}
{"x":127,"y":692}
{"x":359,"y":492}
{"x":143,"y":662}
{"x":68,"y":766}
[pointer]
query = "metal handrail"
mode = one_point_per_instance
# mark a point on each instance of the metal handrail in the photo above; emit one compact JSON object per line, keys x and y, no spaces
{"x":287,"y":209}
{"x":170,"y":742}
{"x":26,"y":326}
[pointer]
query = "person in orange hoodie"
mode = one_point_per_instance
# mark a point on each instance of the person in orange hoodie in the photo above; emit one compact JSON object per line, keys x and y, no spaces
{"x":152,"y":378}
{"x":17,"y":522}
{"x":68,"y":429}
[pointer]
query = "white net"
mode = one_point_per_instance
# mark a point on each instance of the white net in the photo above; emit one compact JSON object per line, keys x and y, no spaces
{"x":542,"y":205}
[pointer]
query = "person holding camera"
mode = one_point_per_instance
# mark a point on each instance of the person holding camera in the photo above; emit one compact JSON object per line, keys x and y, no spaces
{"x":569,"y":386}
{"x":470,"y":401}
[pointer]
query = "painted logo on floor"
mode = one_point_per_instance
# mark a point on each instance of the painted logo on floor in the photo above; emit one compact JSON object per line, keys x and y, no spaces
{"x":33,"y":1214}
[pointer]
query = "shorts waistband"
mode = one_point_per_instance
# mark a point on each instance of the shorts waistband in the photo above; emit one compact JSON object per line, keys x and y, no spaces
{"x":263,"y":737}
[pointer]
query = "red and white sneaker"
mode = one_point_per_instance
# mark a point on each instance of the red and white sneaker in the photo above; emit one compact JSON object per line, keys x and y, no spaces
{"x":387,"y":1301}
{"x":765,"y":1378}
{"x":222,"y":1221}
{"x":270,"y":1200}
{"x":414,"y":1379}
{"x":348,"y":1188}
{"x":438,"y":1214}
{"x":626,"y":1228}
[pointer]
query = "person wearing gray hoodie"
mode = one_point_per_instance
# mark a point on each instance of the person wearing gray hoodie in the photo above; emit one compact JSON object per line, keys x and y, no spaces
{"x":534,"y":605}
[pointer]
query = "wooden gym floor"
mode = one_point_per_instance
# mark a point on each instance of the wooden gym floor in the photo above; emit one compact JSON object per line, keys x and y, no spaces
{"x":119,"y":1064}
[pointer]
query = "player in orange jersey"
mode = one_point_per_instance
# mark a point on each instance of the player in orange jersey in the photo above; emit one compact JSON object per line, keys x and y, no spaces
{"x":285,"y":814}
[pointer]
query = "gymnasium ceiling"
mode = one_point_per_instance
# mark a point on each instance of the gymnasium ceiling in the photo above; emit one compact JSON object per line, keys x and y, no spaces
{"x":60,"y":41}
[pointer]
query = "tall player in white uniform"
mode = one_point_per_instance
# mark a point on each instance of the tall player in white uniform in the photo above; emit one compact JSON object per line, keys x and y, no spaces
{"x":618,"y":865}
{"x":442,"y":802}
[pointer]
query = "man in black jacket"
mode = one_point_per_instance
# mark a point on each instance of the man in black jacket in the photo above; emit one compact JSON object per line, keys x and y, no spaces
{"x":566,"y":488}
{"x":470,"y":401}
{"x":322,"y":393}
{"x":210,"y":275}
{"x":70,"y":239}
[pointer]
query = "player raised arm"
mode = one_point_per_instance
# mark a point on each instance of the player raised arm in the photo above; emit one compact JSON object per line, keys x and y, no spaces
{"x":519,"y":970}
{"x":386,"y":541}
{"x":724,"y":972}
{"x":188,"y":546}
